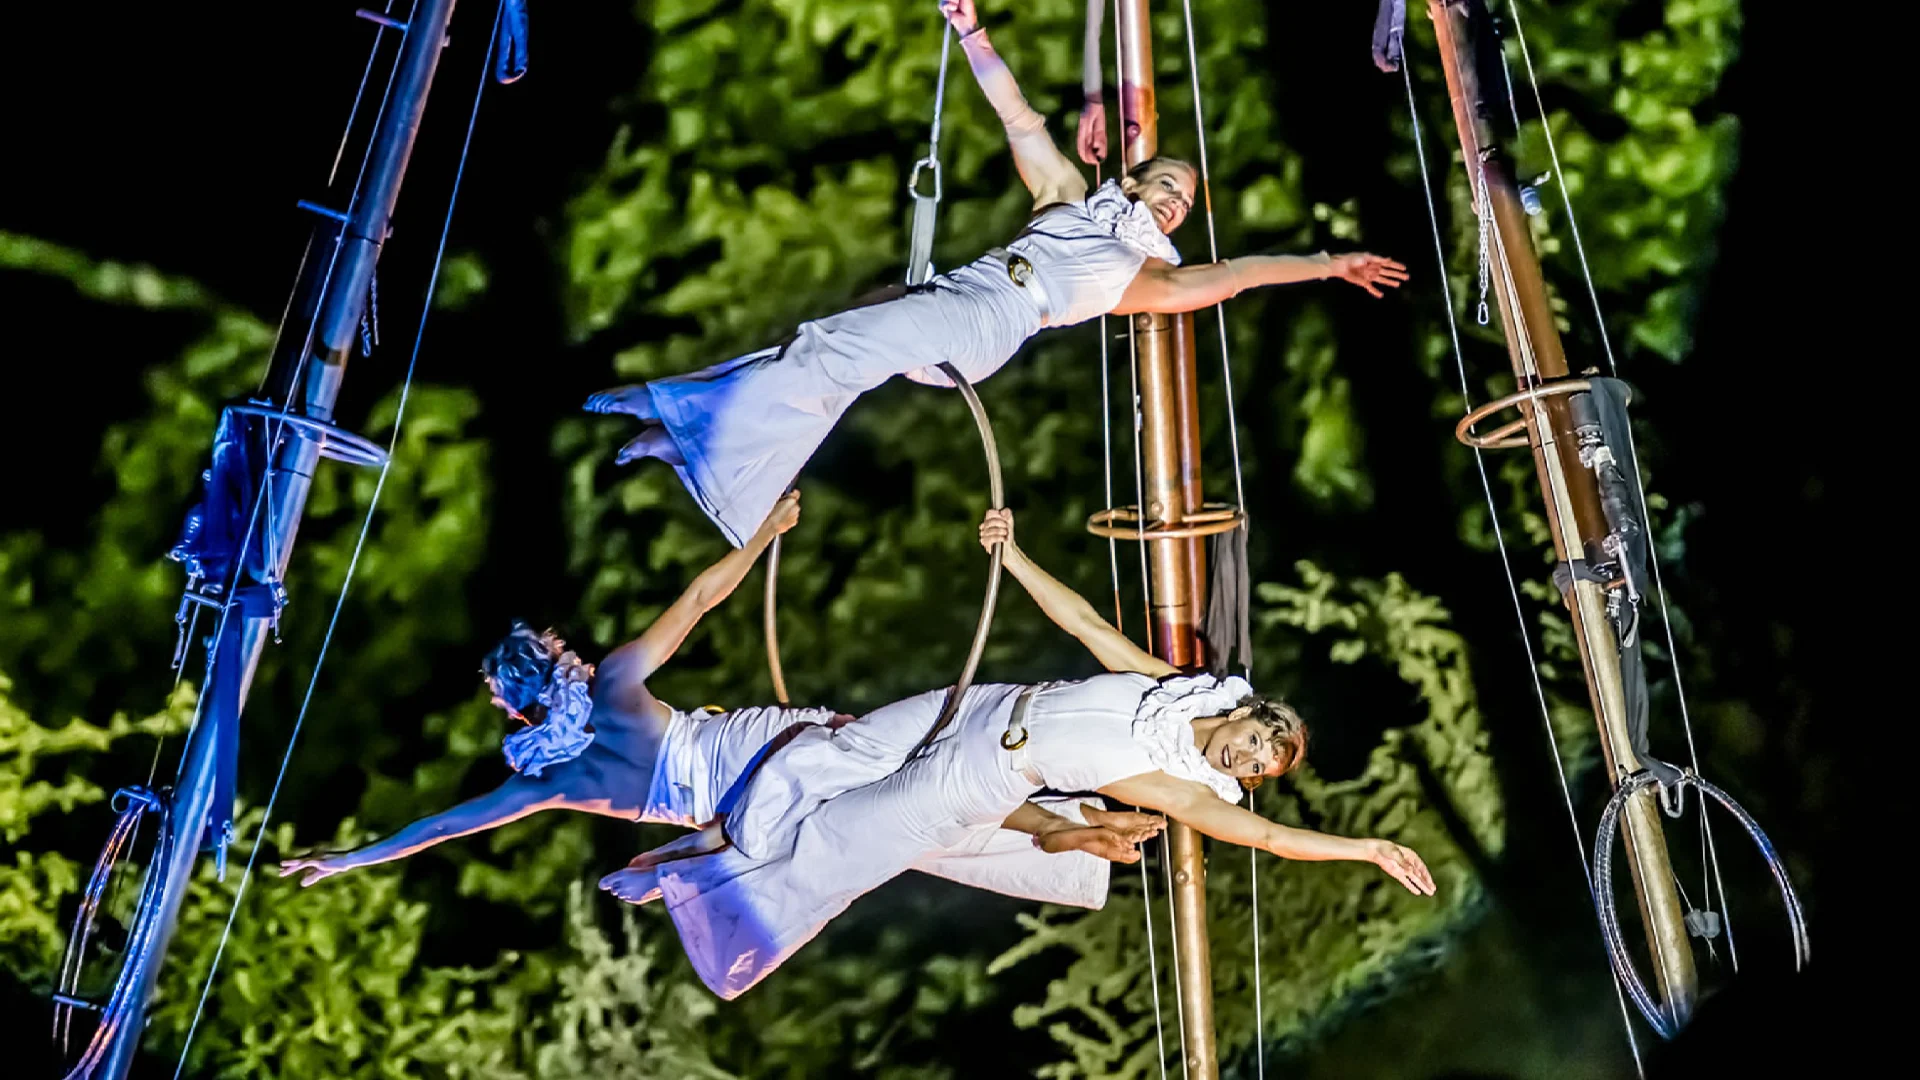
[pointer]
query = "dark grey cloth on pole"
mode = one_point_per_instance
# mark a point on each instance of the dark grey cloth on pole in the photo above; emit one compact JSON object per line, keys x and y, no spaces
{"x":1228,"y":625}
{"x":1619,"y":487}
{"x":1389,"y":32}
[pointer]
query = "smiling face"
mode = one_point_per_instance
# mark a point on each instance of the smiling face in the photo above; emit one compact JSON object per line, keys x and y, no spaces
{"x":1261,"y":737}
{"x":1166,"y":186}
{"x":1245,"y":748}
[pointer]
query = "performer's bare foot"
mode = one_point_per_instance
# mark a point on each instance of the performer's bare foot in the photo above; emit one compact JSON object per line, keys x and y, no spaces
{"x":1091,"y":839}
{"x":1116,"y":835}
{"x":1134,"y":827}
{"x":633,"y":886}
{"x":633,"y":400}
{"x":653,"y":442}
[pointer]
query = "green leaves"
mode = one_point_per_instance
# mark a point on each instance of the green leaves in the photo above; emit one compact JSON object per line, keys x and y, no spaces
{"x":1336,"y":936}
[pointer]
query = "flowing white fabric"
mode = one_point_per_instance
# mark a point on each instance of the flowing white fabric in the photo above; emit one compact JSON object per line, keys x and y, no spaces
{"x":564,"y":734}
{"x":807,"y":843}
{"x":747,"y":426}
{"x":1163,"y":726}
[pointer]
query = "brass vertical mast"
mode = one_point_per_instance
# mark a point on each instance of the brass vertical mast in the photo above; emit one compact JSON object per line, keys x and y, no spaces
{"x":1572,"y":493}
{"x":1170,"y":446}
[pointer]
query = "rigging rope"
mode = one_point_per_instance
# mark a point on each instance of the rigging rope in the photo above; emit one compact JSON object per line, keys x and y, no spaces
{"x":1240,"y":500}
{"x":1106,"y":453}
{"x":1712,"y":854}
{"x":1146,"y":595}
{"x":1493,"y":518}
{"x":353,"y":563}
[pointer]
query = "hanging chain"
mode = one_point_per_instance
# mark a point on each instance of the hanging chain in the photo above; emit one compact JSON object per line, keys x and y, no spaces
{"x":1483,"y":209}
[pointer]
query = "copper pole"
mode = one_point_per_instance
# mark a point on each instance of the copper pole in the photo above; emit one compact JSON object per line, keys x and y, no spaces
{"x":1572,"y":492}
{"x":1170,"y":447}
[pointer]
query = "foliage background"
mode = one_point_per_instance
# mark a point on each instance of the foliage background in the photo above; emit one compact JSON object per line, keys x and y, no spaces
{"x":680,"y":180}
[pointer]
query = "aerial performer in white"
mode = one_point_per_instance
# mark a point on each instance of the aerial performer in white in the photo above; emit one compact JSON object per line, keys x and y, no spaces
{"x":596,"y":740}
{"x":739,"y":432}
{"x":801,"y":844}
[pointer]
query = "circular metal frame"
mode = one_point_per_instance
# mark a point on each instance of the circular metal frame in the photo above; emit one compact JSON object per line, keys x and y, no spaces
{"x":1609,"y":915}
{"x":335,"y":442}
{"x":1210,"y":520}
{"x":119,"y":1007}
{"x":997,"y":499}
{"x":1510,"y":436}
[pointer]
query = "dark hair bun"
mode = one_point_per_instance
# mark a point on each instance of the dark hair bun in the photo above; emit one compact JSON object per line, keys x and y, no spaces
{"x":520,"y":665}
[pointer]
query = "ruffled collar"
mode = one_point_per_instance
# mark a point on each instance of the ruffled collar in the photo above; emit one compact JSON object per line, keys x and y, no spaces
{"x":1130,"y":221}
{"x":1163,"y":726}
{"x":564,"y":734}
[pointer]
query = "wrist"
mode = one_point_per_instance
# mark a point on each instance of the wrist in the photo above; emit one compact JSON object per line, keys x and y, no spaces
{"x":1323,"y":262}
{"x":977,"y":34}
{"x":1233,"y":277}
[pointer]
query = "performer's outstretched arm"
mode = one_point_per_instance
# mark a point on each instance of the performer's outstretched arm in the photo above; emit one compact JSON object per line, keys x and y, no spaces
{"x":1068,"y":609}
{"x":1194,"y":804}
{"x":1047,"y":172}
{"x":626,"y":669}
{"x":511,"y":801}
{"x":1163,"y":287}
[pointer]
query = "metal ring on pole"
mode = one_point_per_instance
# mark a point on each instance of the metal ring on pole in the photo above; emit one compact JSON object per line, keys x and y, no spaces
{"x":1610,"y":917}
{"x":335,"y":442}
{"x":997,"y":499}
{"x":1507,"y":436}
{"x":1210,"y":520}
{"x":140,"y":934}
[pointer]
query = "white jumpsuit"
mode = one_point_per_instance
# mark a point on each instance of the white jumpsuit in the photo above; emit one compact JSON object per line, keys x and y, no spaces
{"x":807,"y":842}
{"x":705,"y":762}
{"x":746,"y":427}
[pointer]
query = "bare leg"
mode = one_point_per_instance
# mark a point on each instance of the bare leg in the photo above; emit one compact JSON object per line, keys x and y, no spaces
{"x":633,"y":400}
{"x":653,"y":442}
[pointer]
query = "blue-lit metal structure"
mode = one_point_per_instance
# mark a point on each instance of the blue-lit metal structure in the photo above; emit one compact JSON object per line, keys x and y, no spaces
{"x":237,"y":541}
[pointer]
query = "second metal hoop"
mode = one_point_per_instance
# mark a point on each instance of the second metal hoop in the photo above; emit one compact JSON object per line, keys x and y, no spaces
{"x":1210,"y":520}
{"x":1510,"y":436}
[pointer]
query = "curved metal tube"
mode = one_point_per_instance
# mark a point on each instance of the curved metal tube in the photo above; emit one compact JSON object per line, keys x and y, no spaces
{"x":1505,"y":437}
{"x":1209,"y":520}
{"x":771,"y":625}
{"x":121,"y":1008}
{"x":997,"y":499}
{"x":1603,"y":903}
{"x":335,"y":442}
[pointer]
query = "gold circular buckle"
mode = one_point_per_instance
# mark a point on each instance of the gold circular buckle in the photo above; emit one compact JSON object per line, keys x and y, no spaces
{"x":1019,"y":270}
{"x":1022,"y":741}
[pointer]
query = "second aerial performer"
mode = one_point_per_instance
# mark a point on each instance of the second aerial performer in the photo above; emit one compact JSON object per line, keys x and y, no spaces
{"x":739,"y":432}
